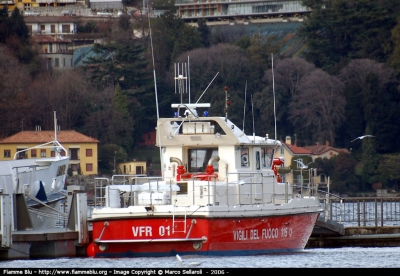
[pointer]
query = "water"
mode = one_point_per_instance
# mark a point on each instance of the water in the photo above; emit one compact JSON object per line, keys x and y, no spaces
{"x":347,"y":257}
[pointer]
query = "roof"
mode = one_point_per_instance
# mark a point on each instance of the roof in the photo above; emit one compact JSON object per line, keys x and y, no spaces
{"x":41,"y":137}
{"x":50,"y":19}
{"x":49,"y":39}
{"x":321,"y":149}
{"x":297,"y":150}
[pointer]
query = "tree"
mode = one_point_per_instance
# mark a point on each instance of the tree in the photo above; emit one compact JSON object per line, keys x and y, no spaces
{"x":288,"y":74}
{"x":204,"y":32}
{"x":343,"y":175}
{"x":372,"y":98}
{"x":369,"y":159}
{"x":341,"y":30}
{"x":14,"y":104}
{"x":319,"y":106}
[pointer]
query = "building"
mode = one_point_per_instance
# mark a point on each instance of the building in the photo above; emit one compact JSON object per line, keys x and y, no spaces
{"x":51,"y":33}
{"x":218,"y":10}
{"x":82,"y":149}
{"x":291,"y":153}
{"x":56,"y":51}
{"x":148,"y":139}
{"x":51,"y":25}
{"x":324,"y":151}
{"x":132,"y":167}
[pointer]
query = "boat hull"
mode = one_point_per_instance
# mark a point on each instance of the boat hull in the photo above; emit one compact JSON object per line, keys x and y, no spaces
{"x":168,"y":236}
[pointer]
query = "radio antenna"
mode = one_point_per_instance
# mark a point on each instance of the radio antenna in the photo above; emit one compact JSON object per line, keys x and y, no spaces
{"x":273,"y":89}
{"x":244,"y":107}
{"x":155,"y":90}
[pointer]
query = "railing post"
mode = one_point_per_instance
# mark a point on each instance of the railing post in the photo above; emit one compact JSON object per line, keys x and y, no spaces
{"x":381,"y":212}
{"x":376,"y":212}
{"x":358,"y":213}
{"x":364,"y":215}
{"x":326,"y":206}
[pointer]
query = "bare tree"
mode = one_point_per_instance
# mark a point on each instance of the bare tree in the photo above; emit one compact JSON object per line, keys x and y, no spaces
{"x":13,"y":100}
{"x":288,"y":73}
{"x":319,"y":106}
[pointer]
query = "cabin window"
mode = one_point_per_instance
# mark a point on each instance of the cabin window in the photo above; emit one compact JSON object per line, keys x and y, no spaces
{"x":7,"y":153}
{"x":257,"y":160}
{"x":266,"y":157}
{"x":244,"y":157}
{"x":199,"y":158}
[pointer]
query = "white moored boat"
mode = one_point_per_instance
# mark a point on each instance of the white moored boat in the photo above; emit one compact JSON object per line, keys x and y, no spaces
{"x":218,"y":195}
{"x":33,"y":187}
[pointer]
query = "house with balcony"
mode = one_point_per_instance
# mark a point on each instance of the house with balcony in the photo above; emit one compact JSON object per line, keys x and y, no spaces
{"x":82,"y":149}
{"x":297,"y":169}
{"x":51,"y":33}
{"x":57,"y":52}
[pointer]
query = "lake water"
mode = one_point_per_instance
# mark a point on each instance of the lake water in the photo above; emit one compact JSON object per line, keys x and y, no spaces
{"x":347,"y":257}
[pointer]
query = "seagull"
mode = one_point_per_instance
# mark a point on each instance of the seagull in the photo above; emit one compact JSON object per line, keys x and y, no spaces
{"x":192,"y":264}
{"x":362,"y":137}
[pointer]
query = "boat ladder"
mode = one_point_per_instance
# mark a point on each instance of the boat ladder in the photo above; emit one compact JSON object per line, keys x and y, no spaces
{"x":179,"y":224}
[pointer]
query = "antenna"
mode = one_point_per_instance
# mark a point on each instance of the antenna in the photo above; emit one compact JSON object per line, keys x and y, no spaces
{"x":189,"y":77}
{"x":207,"y":87}
{"x":155,"y":90}
{"x":252,"y":111}
{"x":244,"y":106}
{"x":273,"y":89}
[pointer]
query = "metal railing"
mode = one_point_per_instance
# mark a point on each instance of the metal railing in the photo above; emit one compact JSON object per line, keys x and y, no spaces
{"x":362,"y":211}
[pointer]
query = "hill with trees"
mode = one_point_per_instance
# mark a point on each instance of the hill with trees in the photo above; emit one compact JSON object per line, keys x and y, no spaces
{"x":336,"y":77}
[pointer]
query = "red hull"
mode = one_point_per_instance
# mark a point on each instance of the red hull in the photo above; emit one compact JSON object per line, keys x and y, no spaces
{"x":138,"y":237}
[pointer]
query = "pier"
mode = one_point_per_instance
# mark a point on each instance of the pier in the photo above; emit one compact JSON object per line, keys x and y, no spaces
{"x":69,"y":239}
{"x":362,"y":221}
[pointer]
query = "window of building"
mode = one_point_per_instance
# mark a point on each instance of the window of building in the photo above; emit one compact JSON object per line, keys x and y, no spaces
{"x":51,"y":48}
{"x":30,"y":28}
{"x":53,"y":29}
{"x":72,"y":64}
{"x":53,"y":153}
{"x":89,"y":152}
{"x":282,"y":151}
{"x":74,"y":154}
{"x":7,"y":153}
{"x":56,"y":62}
{"x":42,"y":27}
{"x":66,"y":28}
{"x":42,"y":153}
{"x":63,"y":62}
{"x":22,"y":154}
{"x":33,"y":153}
{"x":89,"y":167}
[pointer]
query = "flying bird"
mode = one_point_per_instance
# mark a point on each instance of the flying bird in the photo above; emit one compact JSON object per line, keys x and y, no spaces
{"x":362,"y":137}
